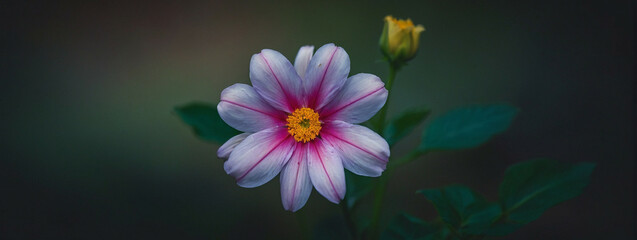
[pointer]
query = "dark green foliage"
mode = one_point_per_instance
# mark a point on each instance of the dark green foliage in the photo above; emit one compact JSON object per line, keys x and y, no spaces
{"x":463,"y":209}
{"x":467,"y":127}
{"x":407,"y":227}
{"x":403,"y":124}
{"x":528,"y":189}
{"x":205,"y":122}
{"x":357,"y":188}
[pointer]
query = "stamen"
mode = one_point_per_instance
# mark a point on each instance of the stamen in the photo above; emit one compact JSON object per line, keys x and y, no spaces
{"x":303,"y":124}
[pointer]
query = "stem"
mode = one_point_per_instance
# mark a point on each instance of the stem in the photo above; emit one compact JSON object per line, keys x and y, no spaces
{"x":379,"y":193}
{"x":382,"y":181}
{"x":351,"y":226}
{"x":383,"y":111}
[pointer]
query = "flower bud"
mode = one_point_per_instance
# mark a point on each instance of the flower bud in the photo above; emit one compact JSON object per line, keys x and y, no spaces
{"x":399,"y":41}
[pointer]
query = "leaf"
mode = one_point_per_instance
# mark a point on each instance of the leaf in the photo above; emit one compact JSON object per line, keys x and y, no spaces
{"x":463,"y":209}
{"x":467,"y":127}
{"x":206,"y":122}
{"x":530,"y":188}
{"x":405,"y":226}
{"x":357,"y":188}
{"x":403,"y":124}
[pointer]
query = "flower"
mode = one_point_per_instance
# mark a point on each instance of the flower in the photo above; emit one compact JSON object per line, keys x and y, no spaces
{"x":399,"y":40}
{"x":300,"y":121}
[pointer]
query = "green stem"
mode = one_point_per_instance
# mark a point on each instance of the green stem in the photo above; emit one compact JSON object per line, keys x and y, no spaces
{"x":382,"y":181}
{"x":383,"y":111}
{"x":351,"y":225}
{"x":379,"y":193}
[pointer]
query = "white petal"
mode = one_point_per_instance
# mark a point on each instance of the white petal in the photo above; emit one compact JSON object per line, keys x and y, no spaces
{"x":325,"y":75}
{"x":296,"y":185}
{"x":360,"y":98}
{"x":326,"y":170}
{"x":276,"y":80}
{"x":243,"y":109}
{"x":225,"y":149}
{"x":363,"y":151}
{"x":303,"y":59}
{"x":260,"y":157}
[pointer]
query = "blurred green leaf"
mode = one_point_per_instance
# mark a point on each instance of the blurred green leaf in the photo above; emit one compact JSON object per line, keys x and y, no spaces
{"x":403,"y":124}
{"x":405,"y":226}
{"x":467,"y":212}
{"x":205,"y":122}
{"x":357,"y":188}
{"x":530,"y":188}
{"x":467,"y":127}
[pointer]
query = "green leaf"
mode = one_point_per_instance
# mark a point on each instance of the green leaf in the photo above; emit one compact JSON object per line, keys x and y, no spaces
{"x":404,"y":227}
{"x":463,"y":209}
{"x":530,"y":188}
{"x":357,"y":188}
{"x":403,"y":124}
{"x":205,"y":122}
{"x":467,"y":127}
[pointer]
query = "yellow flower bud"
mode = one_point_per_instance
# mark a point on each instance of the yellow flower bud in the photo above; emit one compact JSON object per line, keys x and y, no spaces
{"x":399,"y":41}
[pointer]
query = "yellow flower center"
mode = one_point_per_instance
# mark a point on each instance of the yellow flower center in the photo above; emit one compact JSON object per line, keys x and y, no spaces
{"x":303,"y":124}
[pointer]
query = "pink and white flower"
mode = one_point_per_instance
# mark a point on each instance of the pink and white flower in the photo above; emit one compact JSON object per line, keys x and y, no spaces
{"x":300,"y":121}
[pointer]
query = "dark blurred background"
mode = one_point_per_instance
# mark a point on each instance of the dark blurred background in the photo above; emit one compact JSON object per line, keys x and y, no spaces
{"x":91,"y":148}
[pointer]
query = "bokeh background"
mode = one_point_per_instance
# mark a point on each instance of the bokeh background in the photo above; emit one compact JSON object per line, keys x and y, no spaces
{"x":92,"y":150}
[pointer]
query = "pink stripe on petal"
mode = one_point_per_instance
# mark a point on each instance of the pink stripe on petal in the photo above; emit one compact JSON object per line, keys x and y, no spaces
{"x":227,"y":148}
{"x":360,"y":98}
{"x":315,"y":94}
{"x":296,"y":185}
{"x":276,"y":80}
{"x":291,"y":100}
{"x":362,"y":150}
{"x":260,"y":160}
{"x":326,"y":170}
{"x":333,"y":137}
{"x":325,"y":75}
{"x":260,"y":157}
{"x":251,"y":108}
{"x":243,"y":109}
{"x":351,"y":102}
